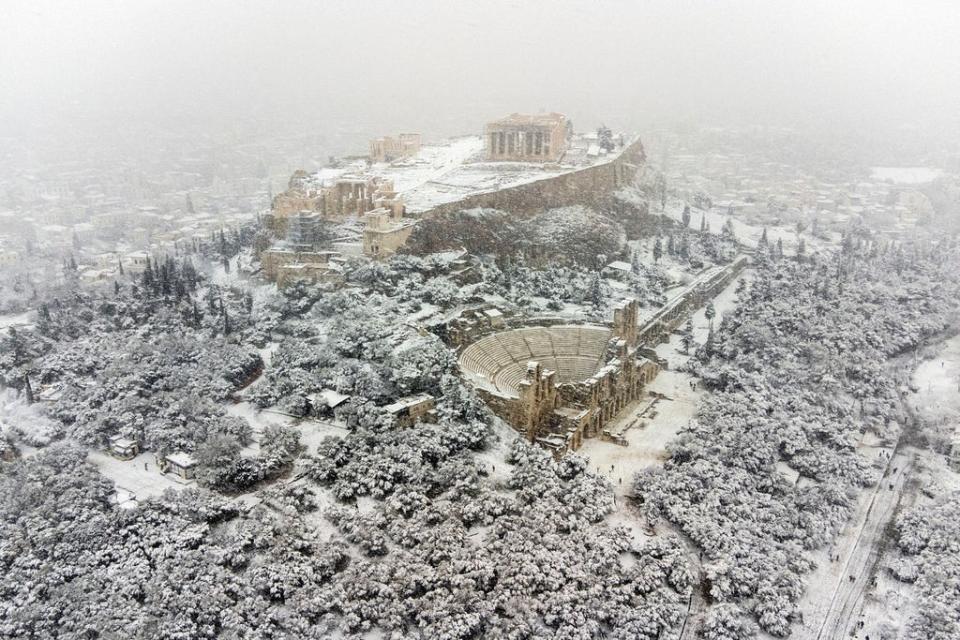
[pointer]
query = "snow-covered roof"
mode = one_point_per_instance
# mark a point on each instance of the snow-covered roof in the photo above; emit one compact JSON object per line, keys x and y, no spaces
{"x":524,"y":119}
{"x":181,"y":459}
{"x":409,"y":401}
{"x":122,"y":443}
{"x":619,"y":265}
{"x":330,"y":398}
{"x":493,"y":313}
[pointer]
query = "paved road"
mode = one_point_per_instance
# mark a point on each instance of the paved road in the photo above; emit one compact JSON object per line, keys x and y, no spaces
{"x":851,"y":576}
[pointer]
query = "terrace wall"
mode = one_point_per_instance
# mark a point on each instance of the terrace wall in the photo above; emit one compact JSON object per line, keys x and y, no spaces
{"x":591,"y":186}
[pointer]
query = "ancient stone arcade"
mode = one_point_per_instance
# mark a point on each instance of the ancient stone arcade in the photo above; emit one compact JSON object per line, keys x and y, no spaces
{"x":558,"y":385}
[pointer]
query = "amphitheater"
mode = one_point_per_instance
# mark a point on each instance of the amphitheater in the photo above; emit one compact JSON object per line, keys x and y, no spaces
{"x":560,"y":384}
{"x":498,"y":362}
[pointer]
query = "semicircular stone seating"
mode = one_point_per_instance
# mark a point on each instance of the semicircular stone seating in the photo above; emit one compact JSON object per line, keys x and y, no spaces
{"x":498,"y":362}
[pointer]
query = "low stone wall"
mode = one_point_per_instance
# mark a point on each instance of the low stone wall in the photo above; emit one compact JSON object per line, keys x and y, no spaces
{"x":658,"y":328}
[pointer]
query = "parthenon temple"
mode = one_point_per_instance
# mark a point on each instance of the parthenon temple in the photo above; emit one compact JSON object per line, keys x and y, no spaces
{"x":528,"y":138}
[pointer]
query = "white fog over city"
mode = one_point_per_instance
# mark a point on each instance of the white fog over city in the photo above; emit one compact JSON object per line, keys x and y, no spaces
{"x":500,"y":319}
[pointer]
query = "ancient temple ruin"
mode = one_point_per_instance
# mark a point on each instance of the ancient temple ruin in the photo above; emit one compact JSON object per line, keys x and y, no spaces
{"x":528,"y":138}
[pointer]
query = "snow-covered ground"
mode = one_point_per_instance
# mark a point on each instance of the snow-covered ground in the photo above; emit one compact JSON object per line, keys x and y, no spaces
{"x":16,"y":320}
{"x":140,"y":477}
{"x":937,"y":382}
{"x":135,"y":479}
{"x":493,"y":458}
{"x":906,"y":175}
{"x":747,"y":234}
{"x":220,"y":277}
{"x":648,"y":438}
{"x":887,"y":604}
{"x":833,"y":602}
{"x":647,"y":444}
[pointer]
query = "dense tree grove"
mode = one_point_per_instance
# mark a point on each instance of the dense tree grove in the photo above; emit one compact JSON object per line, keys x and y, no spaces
{"x":694,"y":248}
{"x":927,"y":537}
{"x":415,"y":532}
{"x":405,"y":531}
{"x":154,"y":371}
{"x":798,"y":373}
{"x":446,"y":555}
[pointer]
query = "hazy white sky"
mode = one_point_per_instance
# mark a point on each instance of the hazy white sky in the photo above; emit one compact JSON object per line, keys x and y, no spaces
{"x":446,"y":66}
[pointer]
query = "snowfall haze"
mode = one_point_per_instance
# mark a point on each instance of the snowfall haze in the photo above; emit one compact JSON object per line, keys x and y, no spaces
{"x":441,"y":66}
{"x":469,"y":319}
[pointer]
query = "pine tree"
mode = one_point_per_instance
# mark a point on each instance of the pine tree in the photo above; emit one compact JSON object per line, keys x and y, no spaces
{"x":164,"y":280}
{"x":710,"y":344}
{"x":657,"y":250}
{"x":116,"y":288}
{"x":671,"y":245}
{"x":226,"y":320}
{"x":212,"y":298}
{"x":686,"y":216}
{"x":762,"y":244}
{"x":17,"y":344}
{"x":686,"y":338}
{"x":703,"y":223}
{"x":28,"y":388}
{"x":120,"y":266}
{"x":147,"y":277}
{"x":596,"y":292}
{"x":197,"y":317}
{"x":779,"y":248}
{"x":801,"y":249}
{"x":710,"y":312}
{"x":189,"y":274}
{"x":727,"y":230}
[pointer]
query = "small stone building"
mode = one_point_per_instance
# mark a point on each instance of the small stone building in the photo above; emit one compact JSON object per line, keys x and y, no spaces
{"x":179,"y":464}
{"x":407,"y":411}
{"x":124,"y":448}
{"x":385,"y":232}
